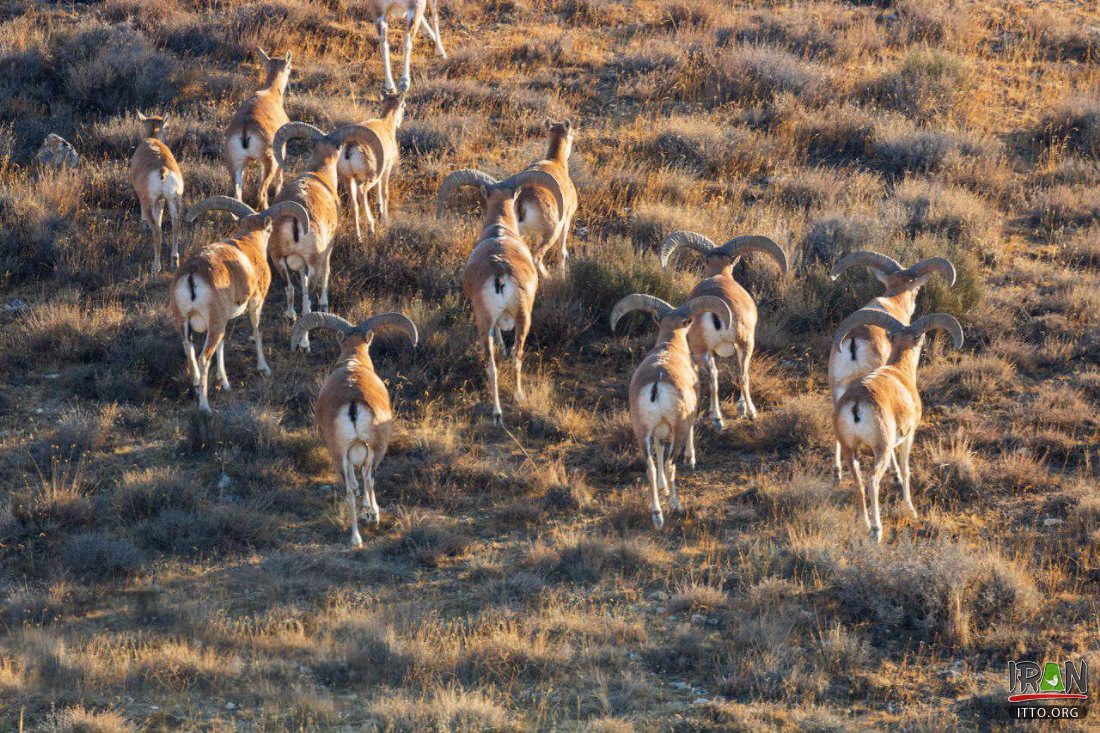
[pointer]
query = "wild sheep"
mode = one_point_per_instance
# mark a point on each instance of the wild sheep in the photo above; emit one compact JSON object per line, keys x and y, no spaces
{"x":353,"y":414}
{"x":251,"y":132}
{"x":413,"y":11}
{"x":706,"y":338}
{"x":369,"y":165}
{"x":664,"y":390}
{"x":310,"y":253}
{"x":867,"y":348}
{"x":539,"y":222}
{"x":881,"y":410}
{"x":500,"y":278}
{"x":158,"y":182}
{"x":223,"y":280}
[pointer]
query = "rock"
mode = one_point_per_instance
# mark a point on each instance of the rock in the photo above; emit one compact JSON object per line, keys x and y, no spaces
{"x":697,"y":618}
{"x":16,"y":306}
{"x":223,"y":481}
{"x":1052,"y":521}
{"x":700,"y":701}
{"x":231,"y":706}
{"x":57,"y":153}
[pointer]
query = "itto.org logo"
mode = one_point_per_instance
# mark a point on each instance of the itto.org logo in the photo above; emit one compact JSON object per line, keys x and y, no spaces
{"x":1066,"y":685}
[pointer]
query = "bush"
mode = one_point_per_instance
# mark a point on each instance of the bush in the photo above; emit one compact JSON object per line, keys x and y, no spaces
{"x":97,"y":556}
{"x":926,"y":86}
{"x":1075,"y":124}
{"x":759,"y":74}
{"x":930,"y":590}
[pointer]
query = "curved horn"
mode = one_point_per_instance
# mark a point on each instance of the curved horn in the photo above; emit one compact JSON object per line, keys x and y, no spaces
{"x":756,"y":243}
{"x":691,"y":240}
{"x":537,"y":178}
{"x":942,"y":321}
{"x":237,"y":208}
{"x":289,"y":131}
{"x":867,"y":258}
{"x":455,"y":179}
{"x":708,"y":304}
{"x":639,"y":301}
{"x":363,"y":135}
{"x":866,"y":317}
{"x":289,"y":208}
{"x":933,"y":264}
{"x":315,"y":320}
{"x":390,"y":320}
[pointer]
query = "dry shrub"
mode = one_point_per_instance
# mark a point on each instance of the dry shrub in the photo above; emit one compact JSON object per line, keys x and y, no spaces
{"x":952,"y":213}
{"x":365,"y":652}
{"x":429,"y":539}
{"x":1074,"y":125}
{"x":587,"y":560}
{"x":759,"y":74}
{"x":85,"y":720}
{"x":1065,"y":206}
{"x":1083,"y":248}
{"x":832,"y":135}
{"x":96,"y":556}
{"x":447,"y":709}
{"x":219,"y":530}
{"x":804,"y":421}
{"x":918,"y":589}
{"x":1063,"y":38}
{"x":926,"y":86}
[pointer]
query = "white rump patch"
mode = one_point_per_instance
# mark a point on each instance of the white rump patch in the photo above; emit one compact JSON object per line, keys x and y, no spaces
{"x":353,"y":437}
{"x":657,"y":416}
{"x":502,"y":306}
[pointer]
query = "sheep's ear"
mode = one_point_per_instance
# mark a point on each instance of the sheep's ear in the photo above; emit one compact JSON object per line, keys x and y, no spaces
{"x":288,"y":57}
{"x":549,"y":123}
{"x":141,"y":117}
{"x":567,"y":124}
{"x":263,"y":54}
{"x":164,"y":121}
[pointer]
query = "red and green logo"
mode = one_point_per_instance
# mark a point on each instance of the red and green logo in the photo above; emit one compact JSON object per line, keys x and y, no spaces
{"x":1032,"y":681}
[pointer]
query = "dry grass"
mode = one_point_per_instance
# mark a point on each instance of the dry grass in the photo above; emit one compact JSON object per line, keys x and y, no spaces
{"x":165,"y":572}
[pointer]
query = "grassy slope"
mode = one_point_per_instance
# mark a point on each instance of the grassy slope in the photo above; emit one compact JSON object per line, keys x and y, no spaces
{"x":158,"y":574}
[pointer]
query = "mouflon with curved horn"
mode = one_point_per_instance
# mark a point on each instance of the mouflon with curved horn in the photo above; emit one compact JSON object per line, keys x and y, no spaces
{"x":664,"y":390}
{"x":867,"y":348}
{"x":706,"y":337}
{"x":544,"y":211}
{"x":881,"y":410}
{"x":222,"y":281}
{"x":354,"y":415}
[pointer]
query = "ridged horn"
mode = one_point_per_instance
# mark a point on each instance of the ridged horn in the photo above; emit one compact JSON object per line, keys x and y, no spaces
{"x":318,"y":320}
{"x":933,"y":264}
{"x":456,"y":179}
{"x":755,"y":243}
{"x":289,"y":208}
{"x":290,"y":131}
{"x":237,"y":208}
{"x":682,"y":238}
{"x":708,"y":304}
{"x":361,"y":134}
{"x":942,"y":321}
{"x":866,"y":258}
{"x":866,"y":317}
{"x":537,"y":178}
{"x":639,"y":301}
{"x":390,"y":320}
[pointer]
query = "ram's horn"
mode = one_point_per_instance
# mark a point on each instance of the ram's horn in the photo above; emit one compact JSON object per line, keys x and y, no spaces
{"x":682,"y":238}
{"x":639,"y":301}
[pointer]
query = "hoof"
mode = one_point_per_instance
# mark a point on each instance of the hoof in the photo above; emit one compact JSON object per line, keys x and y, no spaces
{"x":205,"y":409}
{"x":876,"y":534}
{"x":264,"y":370}
{"x":911,"y":511}
{"x":156,"y":268}
{"x":176,"y":262}
{"x":676,"y":505}
{"x":718,"y":423}
{"x":496,"y":418}
{"x":403,"y":84}
{"x":658,"y":520}
{"x":691,"y":463}
{"x":225,"y":387}
{"x":291,"y":314}
{"x":356,"y":542}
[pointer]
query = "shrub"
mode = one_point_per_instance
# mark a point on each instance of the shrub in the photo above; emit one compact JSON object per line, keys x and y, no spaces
{"x":747,"y":74}
{"x":97,"y":556}
{"x":219,"y":530}
{"x":587,"y":560}
{"x":1075,"y":124}
{"x":925,"y":86}
{"x":930,"y":590}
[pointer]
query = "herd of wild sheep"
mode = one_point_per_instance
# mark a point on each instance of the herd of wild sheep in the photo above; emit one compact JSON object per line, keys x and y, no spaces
{"x":872,"y":364}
